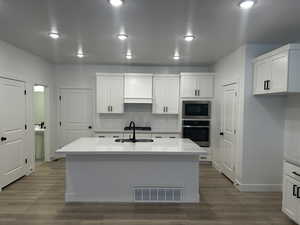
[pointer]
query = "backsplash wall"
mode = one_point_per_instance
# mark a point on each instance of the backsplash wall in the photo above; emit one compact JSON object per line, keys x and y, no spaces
{"x":142,"y":115}
{"x":84,"y":76}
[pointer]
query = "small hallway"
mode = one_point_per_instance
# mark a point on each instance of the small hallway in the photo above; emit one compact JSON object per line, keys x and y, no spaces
{"x":39,"y":199}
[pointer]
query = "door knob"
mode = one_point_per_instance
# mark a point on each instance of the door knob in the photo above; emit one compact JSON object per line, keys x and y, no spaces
{"x":3,"y":138}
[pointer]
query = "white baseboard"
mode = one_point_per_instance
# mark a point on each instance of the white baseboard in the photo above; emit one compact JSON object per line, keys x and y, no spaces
{"x":216,"y":166}
{"x":56,"y":156}
{"x":259,"y":187}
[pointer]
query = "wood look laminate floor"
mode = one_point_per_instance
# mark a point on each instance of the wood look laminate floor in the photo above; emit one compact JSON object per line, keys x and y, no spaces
{"x":39,"y":199}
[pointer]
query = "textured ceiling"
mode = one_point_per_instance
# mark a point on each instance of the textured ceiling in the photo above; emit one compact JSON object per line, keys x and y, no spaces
{"x":155,"y":28}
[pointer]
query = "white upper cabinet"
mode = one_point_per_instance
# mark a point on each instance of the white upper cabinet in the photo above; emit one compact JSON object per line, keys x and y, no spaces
{"x":277,"y":71}
{"x":110,"y":93}
{"x":165,"y":94}
{"x":138,"y":88}
{"x":197,"y":85}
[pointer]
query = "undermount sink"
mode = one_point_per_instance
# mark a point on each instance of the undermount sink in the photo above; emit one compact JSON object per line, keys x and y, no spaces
{"x":122,"y":140}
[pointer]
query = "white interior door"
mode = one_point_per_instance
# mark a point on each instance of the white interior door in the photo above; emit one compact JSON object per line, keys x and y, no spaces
{"x":12,"y":130}
{"x":76,"y":110}
{"x":229,"y":113}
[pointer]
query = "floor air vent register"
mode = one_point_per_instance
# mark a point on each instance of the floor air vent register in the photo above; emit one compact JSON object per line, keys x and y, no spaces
{"x":155,"y":194}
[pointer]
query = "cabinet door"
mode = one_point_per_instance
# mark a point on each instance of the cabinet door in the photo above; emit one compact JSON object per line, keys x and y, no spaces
{"x":291,"y":204}
{"x":205,"y":86}
{"x":159,"y":98}
{"x":103,"y":94}
{"x":189,"y":86}
{"x":261,"y":74}
{"x":166,"y":94}
{"x":138,"y":86}
{"x":116,"y":84}
{"x":279,"y":73}
{"x":172,"y":94}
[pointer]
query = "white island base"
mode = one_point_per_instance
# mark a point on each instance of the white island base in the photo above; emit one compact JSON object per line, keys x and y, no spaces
{"x":161,"y":171}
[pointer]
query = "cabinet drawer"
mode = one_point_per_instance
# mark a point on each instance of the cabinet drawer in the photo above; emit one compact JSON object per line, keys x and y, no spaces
{"x":165,"y":135}
{"x":109,"y":135}
{"x":137,"y":135}
{"x":292,"y":171}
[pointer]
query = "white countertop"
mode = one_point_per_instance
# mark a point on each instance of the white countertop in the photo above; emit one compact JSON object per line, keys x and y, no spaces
{"x":160,"y":146}
{"x":295,"y":159}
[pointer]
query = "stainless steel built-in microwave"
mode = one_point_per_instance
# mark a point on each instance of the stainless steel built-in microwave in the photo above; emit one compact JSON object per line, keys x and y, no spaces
{"x":196,"y":109}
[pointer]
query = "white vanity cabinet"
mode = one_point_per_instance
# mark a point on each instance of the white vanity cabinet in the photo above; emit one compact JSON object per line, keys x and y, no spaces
{"x":197,"y":85}
{"x":110,"y":93}
{"x":277,"y":71}
{"x":165,"y":94}
{"x":291,"y":192}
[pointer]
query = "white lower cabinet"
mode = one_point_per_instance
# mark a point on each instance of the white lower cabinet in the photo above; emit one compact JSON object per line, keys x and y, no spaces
{"x":291,"y":192}
{"x":165,"y":135}
{"x":109,"y":135}
{"x":138,"y":135}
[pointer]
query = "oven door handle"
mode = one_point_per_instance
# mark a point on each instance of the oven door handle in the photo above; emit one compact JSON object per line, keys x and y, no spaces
{"x":188,"y":126}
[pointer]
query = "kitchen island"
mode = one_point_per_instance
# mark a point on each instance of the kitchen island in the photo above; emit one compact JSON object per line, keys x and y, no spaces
{"x":103,"y":170}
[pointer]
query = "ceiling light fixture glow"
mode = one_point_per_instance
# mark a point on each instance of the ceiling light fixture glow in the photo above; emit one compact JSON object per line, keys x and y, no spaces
{"x":247,"y":4}
{"x":116,"y":3}
{"x":54,"y":35}
{"x":128,"y":56}
{"x":176,"y":57}
{"x":189,"y":37}
{"x":122,"y":37}
{"x":80,"y":55}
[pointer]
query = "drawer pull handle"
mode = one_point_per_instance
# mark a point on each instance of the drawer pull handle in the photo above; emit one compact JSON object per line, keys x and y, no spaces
{"x":295,"y":173}
{"x":294,"y":190}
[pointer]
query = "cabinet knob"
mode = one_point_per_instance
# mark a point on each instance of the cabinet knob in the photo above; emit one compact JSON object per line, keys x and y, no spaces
{"x":90,"y":127}
{"x":221,"y":133}
{"x":3,"y":138}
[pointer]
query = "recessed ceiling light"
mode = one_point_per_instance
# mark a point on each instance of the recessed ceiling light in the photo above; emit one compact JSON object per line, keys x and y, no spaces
{"x":176,"y":57}
{"x":116,"y":3}
{"x":247,"y":4}
{"x":122,"y":37}
{"x":80,"y":55}
{"x":54,"y":35}
{"x":128,"y":56}
{"x":189,"y":37}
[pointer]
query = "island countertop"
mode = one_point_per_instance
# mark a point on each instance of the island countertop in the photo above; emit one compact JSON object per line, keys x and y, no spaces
{"x":164,"y":146}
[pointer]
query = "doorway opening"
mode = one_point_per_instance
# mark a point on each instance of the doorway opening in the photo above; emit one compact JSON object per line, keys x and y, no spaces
{"x":40,"y":124}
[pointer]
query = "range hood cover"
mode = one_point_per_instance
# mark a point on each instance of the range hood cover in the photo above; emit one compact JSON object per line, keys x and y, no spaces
{"x":138,"y":100}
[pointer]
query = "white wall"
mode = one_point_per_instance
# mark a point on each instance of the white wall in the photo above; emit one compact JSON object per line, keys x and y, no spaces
{"x":84,"y":76}
{"x":263,"y":129}
{"x":228,"y":69}
{"x":292,"y":128}
{"x":21,"y":65}
{"x":261,"y":122}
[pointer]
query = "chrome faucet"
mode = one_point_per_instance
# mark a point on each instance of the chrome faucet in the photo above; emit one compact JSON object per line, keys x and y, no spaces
{"x":132,"y":126}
